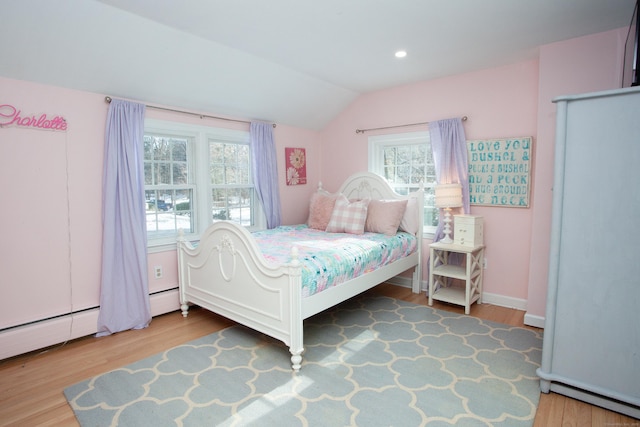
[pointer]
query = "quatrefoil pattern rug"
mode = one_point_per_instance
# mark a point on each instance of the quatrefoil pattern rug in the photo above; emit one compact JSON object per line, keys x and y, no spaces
{"x":371,"y":361}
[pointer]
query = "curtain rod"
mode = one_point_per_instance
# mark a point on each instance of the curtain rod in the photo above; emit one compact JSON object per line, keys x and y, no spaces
{"x":202,"y":116}
{"x":464,"y":119}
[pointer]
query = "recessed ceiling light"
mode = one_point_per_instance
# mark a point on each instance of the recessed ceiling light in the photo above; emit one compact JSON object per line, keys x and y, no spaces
{"x":401,"y":54}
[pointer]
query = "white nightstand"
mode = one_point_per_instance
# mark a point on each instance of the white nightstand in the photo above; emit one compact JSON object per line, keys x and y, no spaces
{"x":440,"y":273}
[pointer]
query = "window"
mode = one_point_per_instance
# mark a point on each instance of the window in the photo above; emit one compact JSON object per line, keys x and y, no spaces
{"x":195,"y":175}
{"x":230,"y":180}
{"x":168,"y":185}
{"x":406,"y":160}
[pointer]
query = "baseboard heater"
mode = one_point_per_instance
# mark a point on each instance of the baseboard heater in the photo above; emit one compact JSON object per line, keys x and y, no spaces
{"x":58,"y":329}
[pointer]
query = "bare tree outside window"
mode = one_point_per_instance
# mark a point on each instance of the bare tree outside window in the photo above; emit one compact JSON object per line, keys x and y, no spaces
{"x":232,"y":194}
{"x":168,"y":192}
{"x":406,"y":161}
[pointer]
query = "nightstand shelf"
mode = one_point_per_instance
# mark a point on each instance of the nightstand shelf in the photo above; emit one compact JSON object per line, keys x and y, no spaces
{"x":441,"y":272}
{"x":452,"y":271}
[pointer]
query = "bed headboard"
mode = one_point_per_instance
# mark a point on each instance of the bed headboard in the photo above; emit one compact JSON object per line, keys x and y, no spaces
{"x":370,"y":185}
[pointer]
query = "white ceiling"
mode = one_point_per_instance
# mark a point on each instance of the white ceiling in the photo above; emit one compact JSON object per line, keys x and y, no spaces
{"x":296,"y":62}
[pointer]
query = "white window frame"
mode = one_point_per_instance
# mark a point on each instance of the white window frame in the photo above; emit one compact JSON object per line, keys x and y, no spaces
{"x":378,"y":143}
{"x":198,"y":156}
{"x":257,"y":215}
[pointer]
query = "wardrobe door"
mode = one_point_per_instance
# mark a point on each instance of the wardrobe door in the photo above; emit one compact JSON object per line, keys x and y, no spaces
{"x":592,"y":332}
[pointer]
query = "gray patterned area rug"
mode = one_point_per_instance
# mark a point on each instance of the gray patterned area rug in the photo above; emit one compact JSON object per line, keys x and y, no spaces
{"x":371,"y":361}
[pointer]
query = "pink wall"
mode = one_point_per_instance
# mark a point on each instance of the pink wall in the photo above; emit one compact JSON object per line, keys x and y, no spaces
{"x":51,"y":248}
{"x":500,"y":102}
{"x":39,"y":220}
{"x":580,"y":65}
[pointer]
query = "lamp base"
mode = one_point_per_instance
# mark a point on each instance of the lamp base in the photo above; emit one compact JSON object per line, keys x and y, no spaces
{"x":446,"y":240}
{"x":447,"y":227}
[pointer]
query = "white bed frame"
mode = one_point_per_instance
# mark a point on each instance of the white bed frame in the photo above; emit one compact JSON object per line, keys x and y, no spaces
{"x":227,"y":274}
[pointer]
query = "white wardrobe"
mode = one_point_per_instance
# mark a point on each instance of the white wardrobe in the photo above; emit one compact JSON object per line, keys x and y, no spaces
{"x":591,"y":347}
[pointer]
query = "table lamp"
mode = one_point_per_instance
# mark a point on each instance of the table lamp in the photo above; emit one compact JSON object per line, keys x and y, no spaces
{"x":448,"y":196}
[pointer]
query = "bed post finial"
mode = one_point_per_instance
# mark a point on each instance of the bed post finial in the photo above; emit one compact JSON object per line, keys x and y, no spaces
{"x":294,"y":256}
{"x":319,"y":185}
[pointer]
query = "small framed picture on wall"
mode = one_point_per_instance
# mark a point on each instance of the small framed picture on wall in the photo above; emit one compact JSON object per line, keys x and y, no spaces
{"x":296,"y":161}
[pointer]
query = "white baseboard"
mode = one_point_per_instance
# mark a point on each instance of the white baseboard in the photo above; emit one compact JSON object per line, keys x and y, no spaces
{"x":489,"y":298}
{"x":165,"y":302}
{"x":404,"y":282}
{"x":533,"y":320}
{"x":47,"y":333}
{"x":504,"y":301}
{"x":43,"y":334}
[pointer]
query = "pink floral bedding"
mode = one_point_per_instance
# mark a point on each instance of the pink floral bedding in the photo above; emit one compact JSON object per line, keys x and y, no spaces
{"x":329,"y":259}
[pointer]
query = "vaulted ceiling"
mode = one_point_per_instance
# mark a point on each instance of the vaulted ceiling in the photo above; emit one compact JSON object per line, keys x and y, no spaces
{"x":296,"y":62}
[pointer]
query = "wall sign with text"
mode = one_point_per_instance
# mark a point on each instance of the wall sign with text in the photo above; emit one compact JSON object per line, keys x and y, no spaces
{"x":500,"y":171}
{"x":12,"y":116}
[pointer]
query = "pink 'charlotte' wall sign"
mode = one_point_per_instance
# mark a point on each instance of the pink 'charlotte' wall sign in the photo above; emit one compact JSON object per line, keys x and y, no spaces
{"x":11,"y":116}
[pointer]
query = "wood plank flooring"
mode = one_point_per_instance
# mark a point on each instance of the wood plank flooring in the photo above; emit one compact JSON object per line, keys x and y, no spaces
{"x":31,"y":385}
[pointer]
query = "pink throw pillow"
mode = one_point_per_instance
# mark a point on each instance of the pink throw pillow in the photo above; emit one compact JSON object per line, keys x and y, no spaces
{"x":348,"y":217}
{"x":384,"y":216}
{"x":320,"y":210}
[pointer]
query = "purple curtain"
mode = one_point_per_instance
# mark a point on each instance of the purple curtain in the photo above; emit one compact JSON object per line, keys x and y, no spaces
{"x":124,"y":293}
{"x":264,"y":166}
{"x":449,"y":146}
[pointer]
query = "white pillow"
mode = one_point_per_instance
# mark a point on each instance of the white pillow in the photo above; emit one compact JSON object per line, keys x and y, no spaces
{"x":411,"y":219}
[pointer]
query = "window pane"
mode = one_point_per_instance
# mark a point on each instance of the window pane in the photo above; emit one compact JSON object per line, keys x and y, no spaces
{"x":230,"y":173}
{"x":148,"y":173}
{"x":229,"y":153}
{"x":163,"y":174}
{"x":149,"y":143}
{"x":182,"y":203}
{"x":230,"y":176}
{"x":216,"y":163}
{"x":403,"y":155}
{"x":179,"y":151}
{"x":403,"y":174}
{"x":229,"y":163}
{"x":161,"y":155}
{"x":180,"y":175}
{"x":161,"y":148}
{"x":166,"y":173}
{"x":168,"y":211}
{"x":219,"y":204}
{"x":407,"y":164}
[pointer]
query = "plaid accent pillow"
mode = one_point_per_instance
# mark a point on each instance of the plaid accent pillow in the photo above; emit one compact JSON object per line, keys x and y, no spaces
{"x":348,"y":217}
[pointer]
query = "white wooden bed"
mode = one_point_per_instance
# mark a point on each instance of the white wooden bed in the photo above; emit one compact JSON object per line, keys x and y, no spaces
{"x":227,"y":274}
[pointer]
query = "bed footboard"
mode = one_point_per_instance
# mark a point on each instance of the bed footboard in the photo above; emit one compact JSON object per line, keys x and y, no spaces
{"x":227,"y":274}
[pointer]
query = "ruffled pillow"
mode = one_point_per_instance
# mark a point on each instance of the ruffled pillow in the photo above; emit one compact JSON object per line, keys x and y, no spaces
{"x":320,"y":210}
{"x":348,"y":217}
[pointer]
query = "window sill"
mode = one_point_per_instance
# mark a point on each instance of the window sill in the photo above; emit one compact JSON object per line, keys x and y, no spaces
{"x":168,"y":244}
{"x":165,"y":247}
{"x":428,"y":236}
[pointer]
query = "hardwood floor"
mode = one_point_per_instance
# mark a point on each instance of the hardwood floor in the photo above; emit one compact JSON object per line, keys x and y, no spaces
{"x":31,"y":385}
